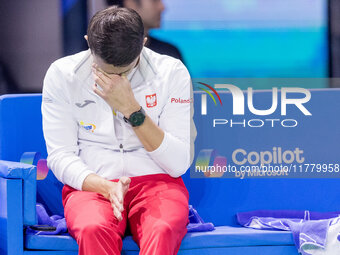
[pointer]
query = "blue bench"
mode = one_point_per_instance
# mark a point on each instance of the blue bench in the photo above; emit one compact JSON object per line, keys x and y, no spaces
{"x":216,"y":199}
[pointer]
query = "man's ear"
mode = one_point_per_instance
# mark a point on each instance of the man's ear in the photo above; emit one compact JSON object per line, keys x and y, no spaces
{"x":145,"y":40}
{"x":87,"y":40}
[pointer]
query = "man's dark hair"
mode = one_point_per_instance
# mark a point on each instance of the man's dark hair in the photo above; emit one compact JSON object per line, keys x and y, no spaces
{"x":116,"y":35}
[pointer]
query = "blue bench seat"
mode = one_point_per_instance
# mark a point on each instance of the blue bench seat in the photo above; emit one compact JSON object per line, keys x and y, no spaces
{"x":223,"y":237}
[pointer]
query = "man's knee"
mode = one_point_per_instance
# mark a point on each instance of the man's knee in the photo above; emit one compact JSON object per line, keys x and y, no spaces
{"x":162,"y":237}
{"x":90,"y":229}
{"x":94,"y":231}
{"x":95,"y":238}
{"x":166,"y":231}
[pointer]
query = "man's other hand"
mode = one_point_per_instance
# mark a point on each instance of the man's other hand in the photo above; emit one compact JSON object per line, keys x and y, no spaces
{"x":116,"y":194}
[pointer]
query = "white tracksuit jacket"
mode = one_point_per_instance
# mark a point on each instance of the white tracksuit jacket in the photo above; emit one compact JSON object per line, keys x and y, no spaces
{"x":83,"y":136}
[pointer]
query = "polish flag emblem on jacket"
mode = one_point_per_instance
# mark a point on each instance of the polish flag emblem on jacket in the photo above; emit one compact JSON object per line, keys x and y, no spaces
{"x":151,"y":100}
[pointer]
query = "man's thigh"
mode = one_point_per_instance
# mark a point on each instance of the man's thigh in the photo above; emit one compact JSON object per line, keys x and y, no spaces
{"x":159,"y":207}
{"x":84,"y":209}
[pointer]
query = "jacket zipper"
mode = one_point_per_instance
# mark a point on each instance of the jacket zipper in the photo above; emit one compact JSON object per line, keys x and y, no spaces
{"x":122,"y":152}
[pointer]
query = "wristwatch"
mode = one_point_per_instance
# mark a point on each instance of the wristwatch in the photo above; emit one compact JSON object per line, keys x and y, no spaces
{"x":136,"y":118}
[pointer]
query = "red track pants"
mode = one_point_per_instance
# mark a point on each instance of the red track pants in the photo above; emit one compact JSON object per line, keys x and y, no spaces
{"x":155,"y":209}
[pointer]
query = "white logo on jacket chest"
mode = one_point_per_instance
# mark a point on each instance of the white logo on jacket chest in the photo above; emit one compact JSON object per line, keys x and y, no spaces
{"x":86,"y":102}
{"x":151,"y":100}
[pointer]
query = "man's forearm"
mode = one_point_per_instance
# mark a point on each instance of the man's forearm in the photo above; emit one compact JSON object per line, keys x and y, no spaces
{"x":150,"y":135}
{"x":96,"y":183}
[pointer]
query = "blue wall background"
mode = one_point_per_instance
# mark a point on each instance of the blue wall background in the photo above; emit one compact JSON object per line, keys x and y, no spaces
{"x":249,"y":38}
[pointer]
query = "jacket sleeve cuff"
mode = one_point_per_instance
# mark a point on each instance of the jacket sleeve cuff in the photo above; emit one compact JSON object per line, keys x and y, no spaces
{"x":172,"y":155}
{"x":161,"y":148}
{"x":80,"y":180}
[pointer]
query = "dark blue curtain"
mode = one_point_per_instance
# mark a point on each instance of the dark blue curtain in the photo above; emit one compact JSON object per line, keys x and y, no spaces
{"x":74,"y":20}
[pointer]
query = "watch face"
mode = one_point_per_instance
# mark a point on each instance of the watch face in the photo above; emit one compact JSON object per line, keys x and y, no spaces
{"x":137,"y":118}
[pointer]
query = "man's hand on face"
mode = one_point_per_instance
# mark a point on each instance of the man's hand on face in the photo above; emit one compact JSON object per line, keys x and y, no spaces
{"x":116,"y":91}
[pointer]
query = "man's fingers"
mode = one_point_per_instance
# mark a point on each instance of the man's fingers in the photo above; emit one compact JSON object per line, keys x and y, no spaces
{"x":120,"y":196}
{"x":117,"y":208}
{"x":115,"y":201}
{"x":117,"y":213}
{"x":98,"y":91}
{"x":101,"y":82}
{"x":123,"y":186}
{"x":105,"y":76}
{"x":102,"y":75}
{"x":98,"y":69}
{"x":125,"y":180}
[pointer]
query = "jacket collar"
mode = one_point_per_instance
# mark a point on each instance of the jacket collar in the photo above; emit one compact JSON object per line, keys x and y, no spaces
{"x":147,"y":68}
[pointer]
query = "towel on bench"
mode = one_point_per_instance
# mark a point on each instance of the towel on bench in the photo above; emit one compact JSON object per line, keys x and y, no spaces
{"x":314,"y":233}
{"x":56,"y":221}
{"x":196,"y":223}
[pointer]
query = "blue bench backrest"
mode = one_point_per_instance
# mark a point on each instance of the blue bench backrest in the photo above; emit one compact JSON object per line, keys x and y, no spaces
{"x":216,"y":199}
{"x":20,"y":132}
